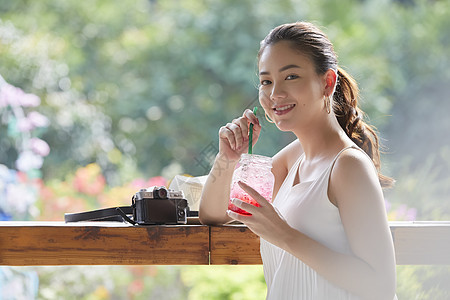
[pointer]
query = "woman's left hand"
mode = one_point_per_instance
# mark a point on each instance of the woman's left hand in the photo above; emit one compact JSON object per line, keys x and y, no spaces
{"x":264,"y":220}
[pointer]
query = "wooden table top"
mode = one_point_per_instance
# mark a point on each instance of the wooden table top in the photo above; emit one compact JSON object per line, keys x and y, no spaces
{"x":114,"y":243}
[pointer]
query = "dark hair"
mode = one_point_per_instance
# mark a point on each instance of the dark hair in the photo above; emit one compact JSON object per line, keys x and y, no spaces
{"x":310,"y":40}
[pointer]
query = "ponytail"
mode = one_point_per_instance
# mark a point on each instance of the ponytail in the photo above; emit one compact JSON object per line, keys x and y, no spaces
{"x":350,"y":117}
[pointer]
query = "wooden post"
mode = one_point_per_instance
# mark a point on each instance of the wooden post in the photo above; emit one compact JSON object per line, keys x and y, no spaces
{"x":233,"y":245}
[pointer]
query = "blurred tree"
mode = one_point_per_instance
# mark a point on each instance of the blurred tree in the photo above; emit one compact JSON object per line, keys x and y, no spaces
{"x":418,"y":147}
{"x":126,"y":89}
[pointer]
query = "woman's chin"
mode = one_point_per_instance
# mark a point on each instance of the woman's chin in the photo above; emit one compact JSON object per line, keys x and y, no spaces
{"x":284,"y":126}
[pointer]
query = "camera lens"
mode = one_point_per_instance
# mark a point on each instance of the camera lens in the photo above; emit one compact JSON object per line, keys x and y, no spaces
{"x":161,"y":193}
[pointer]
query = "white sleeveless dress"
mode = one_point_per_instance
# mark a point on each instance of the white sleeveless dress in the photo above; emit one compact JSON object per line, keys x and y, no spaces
{"x":307,"y":208}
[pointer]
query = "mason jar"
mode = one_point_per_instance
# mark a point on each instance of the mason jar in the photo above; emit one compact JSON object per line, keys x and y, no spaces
{"x":256,"y":171}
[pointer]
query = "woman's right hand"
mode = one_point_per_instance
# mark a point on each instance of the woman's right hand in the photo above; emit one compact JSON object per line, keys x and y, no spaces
{"x":234,"y":136}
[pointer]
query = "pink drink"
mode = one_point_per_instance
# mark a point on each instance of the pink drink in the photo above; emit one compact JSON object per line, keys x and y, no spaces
{"x":254,"y":170}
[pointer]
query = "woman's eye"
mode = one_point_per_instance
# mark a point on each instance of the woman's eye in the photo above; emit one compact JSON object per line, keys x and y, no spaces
{"x":290,"y":77}
{"x":265,"y":82}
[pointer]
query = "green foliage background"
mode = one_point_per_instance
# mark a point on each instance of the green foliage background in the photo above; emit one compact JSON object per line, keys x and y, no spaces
{"x":141,"y":87}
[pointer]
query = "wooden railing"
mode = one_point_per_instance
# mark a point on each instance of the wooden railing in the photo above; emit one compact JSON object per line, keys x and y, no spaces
{"x":57,"y":243}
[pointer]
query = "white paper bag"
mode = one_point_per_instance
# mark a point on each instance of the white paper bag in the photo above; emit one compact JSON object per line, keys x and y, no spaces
{"x":192,"y":188}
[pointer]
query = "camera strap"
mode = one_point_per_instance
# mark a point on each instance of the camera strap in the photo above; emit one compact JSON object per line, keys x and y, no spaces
{"x":118,"y":214}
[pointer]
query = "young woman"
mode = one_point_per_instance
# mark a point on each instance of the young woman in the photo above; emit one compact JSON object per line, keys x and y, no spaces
{"x":326,"y":235}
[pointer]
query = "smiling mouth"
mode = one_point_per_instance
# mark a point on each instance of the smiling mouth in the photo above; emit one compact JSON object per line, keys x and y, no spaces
{"x":280,"y":110}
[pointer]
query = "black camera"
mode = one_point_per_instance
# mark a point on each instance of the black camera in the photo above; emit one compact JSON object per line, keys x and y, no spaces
{"x":151,"y":206}
{"x":159,"y":205}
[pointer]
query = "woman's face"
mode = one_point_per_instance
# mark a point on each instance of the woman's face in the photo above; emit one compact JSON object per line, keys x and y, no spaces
{"x":291,"y":92}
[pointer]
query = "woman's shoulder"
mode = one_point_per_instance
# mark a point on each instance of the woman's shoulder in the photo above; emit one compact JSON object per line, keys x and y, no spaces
{"x":354,"y":163}
{"x":353,"y":179}
{"x":353,"y":156}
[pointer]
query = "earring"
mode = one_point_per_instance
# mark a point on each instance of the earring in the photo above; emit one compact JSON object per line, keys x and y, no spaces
{"x":268,"y":119}
{"x":327,"y":103}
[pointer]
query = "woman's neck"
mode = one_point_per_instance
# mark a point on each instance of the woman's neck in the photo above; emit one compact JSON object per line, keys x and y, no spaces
{"x":324,"y":139}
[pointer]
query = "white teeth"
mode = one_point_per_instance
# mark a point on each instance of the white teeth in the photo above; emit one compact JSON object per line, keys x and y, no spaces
{"x":284,"y":107}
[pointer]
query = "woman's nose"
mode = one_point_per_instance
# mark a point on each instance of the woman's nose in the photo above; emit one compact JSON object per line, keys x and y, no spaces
{"x":277,"y":92}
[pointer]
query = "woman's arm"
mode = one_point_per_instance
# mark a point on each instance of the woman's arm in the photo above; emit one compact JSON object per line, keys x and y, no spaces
{"x":370,"y":271}
{"x":216,"y":192}
{"x":355,"y":188}
{"x":233,"y":141}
